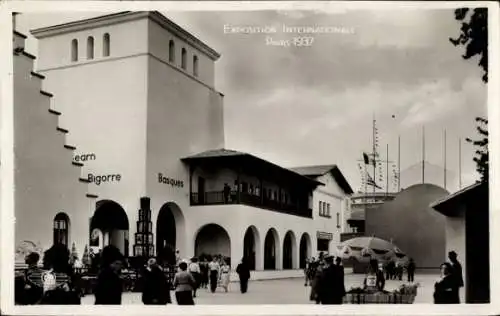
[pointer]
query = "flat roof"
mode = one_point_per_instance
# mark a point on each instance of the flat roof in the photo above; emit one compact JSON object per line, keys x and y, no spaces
{"x":447,"y":205}
{"x":222,"y":153}
{"x":320,"y":170}
{"x":122,"y":17}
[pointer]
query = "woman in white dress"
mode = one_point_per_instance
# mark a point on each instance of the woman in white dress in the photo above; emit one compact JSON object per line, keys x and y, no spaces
{"x":224,"y":275}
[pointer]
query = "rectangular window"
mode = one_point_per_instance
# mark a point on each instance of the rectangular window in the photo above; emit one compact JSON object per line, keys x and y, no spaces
{"x":320,"y":208}
{"x":328,"y":210}
{"x":338,"y":220}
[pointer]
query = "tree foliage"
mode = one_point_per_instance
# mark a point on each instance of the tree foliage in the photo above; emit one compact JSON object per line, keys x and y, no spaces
{"x":481,"y":159}
{"x":474,"y":37}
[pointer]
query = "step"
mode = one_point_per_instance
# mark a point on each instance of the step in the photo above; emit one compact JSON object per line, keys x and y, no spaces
{"x":62,"y":130}
{"x":28,"y":55}
{"x":54,"y":112}
{"x":36,"y":74}
{"x":50,"y":95}
{"x":19,"y":40}
{"x":84,"y":180}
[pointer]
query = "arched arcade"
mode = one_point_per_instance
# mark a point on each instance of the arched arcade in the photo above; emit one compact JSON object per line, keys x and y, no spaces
{"x":109,"y":226}
{"x":251,"y":247}
{"x":212,"y":239}
{"x":170,"y":231}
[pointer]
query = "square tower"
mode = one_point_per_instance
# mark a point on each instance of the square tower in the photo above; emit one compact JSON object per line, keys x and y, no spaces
{"x":137,"y":93}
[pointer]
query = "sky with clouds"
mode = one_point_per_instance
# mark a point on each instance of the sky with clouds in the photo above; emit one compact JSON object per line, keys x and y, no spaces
{"x":314,"y":105}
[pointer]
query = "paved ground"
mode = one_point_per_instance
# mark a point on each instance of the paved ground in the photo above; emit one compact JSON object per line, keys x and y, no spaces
{"x":286,"y":291}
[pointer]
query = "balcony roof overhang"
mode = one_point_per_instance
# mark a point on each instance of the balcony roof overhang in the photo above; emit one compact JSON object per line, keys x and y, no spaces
{"x":451,"y":204}
{"x":318,"y":171}
{"x":225,"y":157}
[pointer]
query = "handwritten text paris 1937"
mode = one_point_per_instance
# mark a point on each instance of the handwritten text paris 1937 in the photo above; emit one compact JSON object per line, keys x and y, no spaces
{"x":304,"y":35}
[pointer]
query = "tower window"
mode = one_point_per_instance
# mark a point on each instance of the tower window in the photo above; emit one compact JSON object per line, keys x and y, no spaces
{"x":90,"y":47}
{"x":195,"y":66}
{"x":105,"y":45}
{"x":183,"y":60}
{"x":171,"y":51}
{"x":74,"y":50}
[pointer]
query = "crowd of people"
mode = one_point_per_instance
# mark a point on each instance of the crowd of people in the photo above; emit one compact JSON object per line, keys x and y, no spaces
{"x":326,"y":278}
{"x":58,"y":284}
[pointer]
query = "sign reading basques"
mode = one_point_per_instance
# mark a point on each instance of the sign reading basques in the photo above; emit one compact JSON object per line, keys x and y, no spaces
{"x":172,"y":182}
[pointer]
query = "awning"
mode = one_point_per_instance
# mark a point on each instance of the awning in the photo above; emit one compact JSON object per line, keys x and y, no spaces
{"x":324,"y":235}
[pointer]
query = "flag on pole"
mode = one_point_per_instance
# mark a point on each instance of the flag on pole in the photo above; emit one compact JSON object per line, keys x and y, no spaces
{"x":371,"y":182}
{"x":366,"y":159}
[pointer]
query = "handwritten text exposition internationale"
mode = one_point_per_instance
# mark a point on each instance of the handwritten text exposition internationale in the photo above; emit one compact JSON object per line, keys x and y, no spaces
{"x":273,"y":29}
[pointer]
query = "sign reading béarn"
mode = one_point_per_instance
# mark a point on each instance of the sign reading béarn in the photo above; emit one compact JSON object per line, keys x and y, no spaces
{"x":172,"y":182}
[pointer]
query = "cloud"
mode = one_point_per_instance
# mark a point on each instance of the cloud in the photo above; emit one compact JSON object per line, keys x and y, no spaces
{"x":437,"y":100}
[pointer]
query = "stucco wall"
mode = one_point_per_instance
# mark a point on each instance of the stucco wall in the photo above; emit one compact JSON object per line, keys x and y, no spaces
{"x":159,"y":40}
{"x":415,"y":228}
{"x":236,"y":219}
{"x":329,"y":193}
{"x":45,"y":181}
{"x":126,"y":40}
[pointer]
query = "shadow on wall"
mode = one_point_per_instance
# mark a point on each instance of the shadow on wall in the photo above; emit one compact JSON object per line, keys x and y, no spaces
{"x":415,"y":227}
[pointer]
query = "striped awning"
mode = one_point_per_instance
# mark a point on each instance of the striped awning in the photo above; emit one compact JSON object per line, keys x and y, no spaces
{"x":324,"y":235}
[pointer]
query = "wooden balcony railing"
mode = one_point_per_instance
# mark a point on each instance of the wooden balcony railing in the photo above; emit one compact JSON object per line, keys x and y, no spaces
{"x":218,"y":198}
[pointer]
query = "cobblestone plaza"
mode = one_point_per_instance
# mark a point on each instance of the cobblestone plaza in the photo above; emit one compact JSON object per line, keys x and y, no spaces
{"x":283,"y":291}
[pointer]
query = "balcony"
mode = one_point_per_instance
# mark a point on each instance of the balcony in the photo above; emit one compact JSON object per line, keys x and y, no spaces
{"x":218,"y":198}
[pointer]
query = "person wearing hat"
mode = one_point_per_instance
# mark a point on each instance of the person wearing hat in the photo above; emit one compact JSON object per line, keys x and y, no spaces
{"x":456,"y":274}
{"x":156,"y":288}
{"x":34,"y":285}
{"x":109,"y":285}
{"x":331,"y":285}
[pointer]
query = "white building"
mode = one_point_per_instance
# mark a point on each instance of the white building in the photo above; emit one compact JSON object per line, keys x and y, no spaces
{"x":136,"y":93}
{"x":330,"y":205}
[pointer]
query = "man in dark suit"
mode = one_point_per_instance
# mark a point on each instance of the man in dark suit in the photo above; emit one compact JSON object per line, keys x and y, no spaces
{"x":456,"y":273}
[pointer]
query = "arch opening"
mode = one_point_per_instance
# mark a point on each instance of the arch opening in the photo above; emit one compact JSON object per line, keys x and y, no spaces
{"x":289,"y":250}
{"x":305,"y":249}
{"x":250,"y":246}
{"x":109,"y":226}
{"x":271,"y":248}
{"x":74,"y":50}
{"x":90,"y":47}
{"x":183,"y":58}
{"x":106,"y":45}
{"x":169,"y":232}
{"x":195,"y":66}
{"x":212,"y":240}
{"x":61,"y":229}
{"x":171,"y":51}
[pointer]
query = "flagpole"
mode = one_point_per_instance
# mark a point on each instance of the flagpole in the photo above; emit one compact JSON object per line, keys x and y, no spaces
{"x":423,"y":154}
{"x":459,"y":163}
{"x":445,"y":159}
{"x":399,"y":163}
{"x":387,"y":172}
{"x":374,"y":156}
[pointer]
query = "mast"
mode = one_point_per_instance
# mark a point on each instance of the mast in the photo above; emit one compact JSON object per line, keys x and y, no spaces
{"x":387,"y":171}
{"x":445,"y":159}
{"x":459,"y":163}
{"x":374,"y":156}
{"x":423,"y":154}
{"x":399,"y":163}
